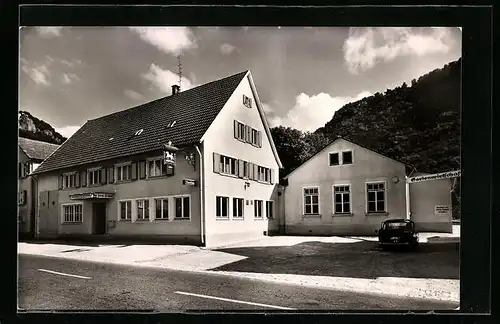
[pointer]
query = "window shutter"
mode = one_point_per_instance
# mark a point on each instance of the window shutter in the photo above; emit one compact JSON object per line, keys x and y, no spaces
{"x":134,"y":171}
{"x":241,"y":168}
{"x":83,"y":178}
{"x":77,"y":180}
{"x":111,"y":174}
{"x":142,"y":170}
{"x":61,"y":178}
{"x":25,"y":194}
{"x":271,"y":176}
{"x":216,"y":162}
{"x":256,"y":172}
{"x":103,"y":176}
{"x":235,"y":129}
{"x":259,"y":138}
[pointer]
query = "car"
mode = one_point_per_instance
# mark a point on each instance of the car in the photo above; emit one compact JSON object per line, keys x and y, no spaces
{"x":397,"y":232}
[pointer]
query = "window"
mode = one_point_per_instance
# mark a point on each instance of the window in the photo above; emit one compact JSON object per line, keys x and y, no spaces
{"x":347,"y":157}
{"x":247,"y":101}
{"x":240,"y":130}
{"x":375,"y":197}
{"x":182,"y":208}
{"x":73,"y":213}
{"x":161,"y":208}
{"x":94,"y":177}
{"x":270,"y":209}
{"x":139,"y":132}
{"x":124,"y":172}
{"x":221,"y":207}
{"x":341,"y":199}
{"x":69,"y":180}
{"x":262,"y":173}
{"x":228,"y":165}
{"x":255,"y":139}
{"x":125,"y":210}
{"x":257,"y":206}
{"x":156,"y":168}
{"x":142,"y":209}
{"x":238,"y":207}
{"x":311,"y":201}
{"x":334,"y":159}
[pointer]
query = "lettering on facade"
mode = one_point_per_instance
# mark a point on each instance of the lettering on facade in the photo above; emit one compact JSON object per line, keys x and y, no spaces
{"x":189,"y":182}
{"x":91,"y":195}
{"x":437,"y":176}
{"x":442,"y":210}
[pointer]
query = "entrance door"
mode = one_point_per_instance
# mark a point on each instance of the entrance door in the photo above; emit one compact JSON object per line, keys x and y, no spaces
{"x":99,"y":217}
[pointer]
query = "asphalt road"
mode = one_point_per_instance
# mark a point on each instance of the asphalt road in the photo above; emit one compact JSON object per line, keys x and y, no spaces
{"x":62,"y":284}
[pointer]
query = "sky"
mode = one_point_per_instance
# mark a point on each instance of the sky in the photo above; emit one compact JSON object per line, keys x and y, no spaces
{"x":69,"y":75}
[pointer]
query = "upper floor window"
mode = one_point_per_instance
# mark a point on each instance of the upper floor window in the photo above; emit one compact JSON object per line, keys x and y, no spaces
{"x":124,"y":172}
{"x":95,"y":177}
{"x":247,"y":134}
{"x":228,"y":165}
{"x":247,"y":101}
{"x":334,"y":159}
{"x":239,"y":130}
{"x":69,"y":180}
{"x":156,"y":168}
{"x":347,"y":157}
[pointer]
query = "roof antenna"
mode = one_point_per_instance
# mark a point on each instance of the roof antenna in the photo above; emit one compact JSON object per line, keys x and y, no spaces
{"x":179,"y":65}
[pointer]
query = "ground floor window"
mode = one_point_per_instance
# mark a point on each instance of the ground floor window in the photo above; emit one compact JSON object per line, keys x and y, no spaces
{"x":73,"y":213}
{"x":161,"y":208}
{"x":238,"y":207}
{"x":270,"y":209}
{"x":376,"y":198}
{"x":182,"y":207}
{"x":142,"y":209}
{"x":257,"y":205}
{"x":342,"y":199}
{"x":221,"y":207}
{"x":126,"y":210}
{"x":311,"y":201}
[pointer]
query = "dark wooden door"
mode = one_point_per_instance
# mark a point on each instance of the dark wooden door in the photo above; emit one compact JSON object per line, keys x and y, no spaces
{"x":99,"y":217}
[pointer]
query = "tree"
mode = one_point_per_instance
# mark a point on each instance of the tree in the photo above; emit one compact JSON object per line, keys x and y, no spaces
{"x":292,"y":149}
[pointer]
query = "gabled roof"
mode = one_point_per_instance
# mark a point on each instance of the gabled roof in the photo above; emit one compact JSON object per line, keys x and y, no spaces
{"x":329,"y":144}
{"x":191,"y":112}
{"x":36,"y":150}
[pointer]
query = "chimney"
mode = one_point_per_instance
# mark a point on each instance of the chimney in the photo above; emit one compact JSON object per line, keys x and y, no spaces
{"x":175,"y":89}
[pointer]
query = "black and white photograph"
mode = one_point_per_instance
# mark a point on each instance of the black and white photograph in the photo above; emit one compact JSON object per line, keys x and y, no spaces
{"x":238,"y":168}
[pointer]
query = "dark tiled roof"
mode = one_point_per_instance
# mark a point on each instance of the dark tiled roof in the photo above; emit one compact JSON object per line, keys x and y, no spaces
{"x":112,"y":136}
{"x":36,"y":150}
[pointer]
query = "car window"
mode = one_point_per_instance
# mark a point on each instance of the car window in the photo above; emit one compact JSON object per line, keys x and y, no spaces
{"x":398,"y":225}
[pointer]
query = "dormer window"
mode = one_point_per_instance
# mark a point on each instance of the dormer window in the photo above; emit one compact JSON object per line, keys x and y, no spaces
{"x":139,"y":132}
{"x":247,"y":101}
{"x":171,"y":124}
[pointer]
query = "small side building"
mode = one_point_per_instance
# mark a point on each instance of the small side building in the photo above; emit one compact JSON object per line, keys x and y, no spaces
{"x":30,"y":155}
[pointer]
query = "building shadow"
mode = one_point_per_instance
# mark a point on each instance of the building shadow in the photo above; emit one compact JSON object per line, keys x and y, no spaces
{"x":363,"y":259}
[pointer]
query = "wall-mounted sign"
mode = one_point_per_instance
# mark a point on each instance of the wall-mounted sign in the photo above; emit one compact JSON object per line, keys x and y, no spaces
{"x":442,"y":210}
{"x":436,"y":176}
{"x":168,"y":157}
{"x":189,"y":182}
{"x":92,"y":195}
{"x":21,"y":197}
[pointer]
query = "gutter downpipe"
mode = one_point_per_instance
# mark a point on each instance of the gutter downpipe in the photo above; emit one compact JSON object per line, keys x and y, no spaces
{"x":202,"y":196}
{"x":407,"y":191}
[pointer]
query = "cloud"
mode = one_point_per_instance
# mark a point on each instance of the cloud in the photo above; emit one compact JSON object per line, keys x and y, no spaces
{"x":227,"y":49}
{"x":312,"y":112}
{"x":168,"y":39}
{"x":163,"y":79}
{"x":365,"y":47}
{"x":68,"y":78}
{"x":133,"y":94}
{"x":67,"y":131}
{"x":38,"y":74}
{"x":48,"y":32}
